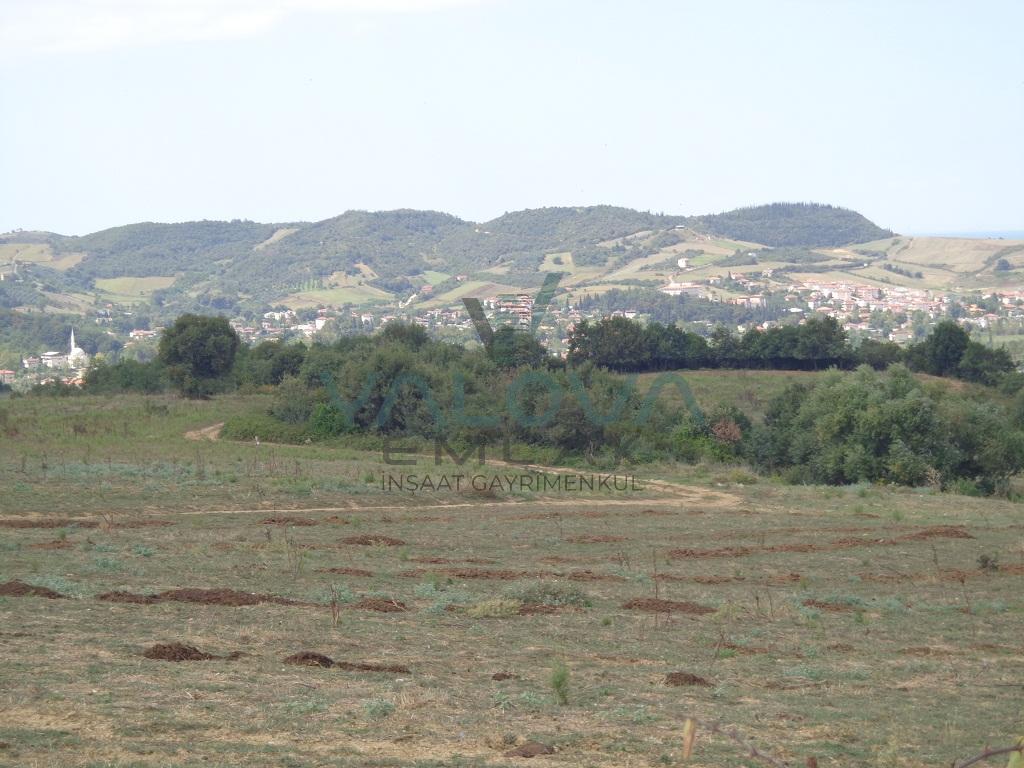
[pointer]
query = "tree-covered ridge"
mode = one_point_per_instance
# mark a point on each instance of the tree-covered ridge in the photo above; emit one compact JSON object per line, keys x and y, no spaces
{"x":793,"y":224}
{"x":214,"y":263}
{"x":139,"y":250}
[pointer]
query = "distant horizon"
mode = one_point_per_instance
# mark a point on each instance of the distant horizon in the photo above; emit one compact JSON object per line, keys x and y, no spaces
{"x":988,"y":233}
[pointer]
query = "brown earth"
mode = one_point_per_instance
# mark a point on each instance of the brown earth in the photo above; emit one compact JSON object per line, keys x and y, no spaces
{"x":530,"y":749}
{"x":309,"y":659}
{"x":346,"y":571}
{"x":297,"y":521}
{"x":369,"y":540}
{"x":363,"y":666}
{"x":55,"y":544}
{"x":504,"y":676}
{"x":826,"y":606}
{"x":657,"y":605}
{"x":34,"y":523}
{"x":680,"y":679}
{"x":380,"y":604}
{"x":176,"y":652}
{"x":21,"y":589}
{"x":221,"y":596}
{"x":587,"y":575}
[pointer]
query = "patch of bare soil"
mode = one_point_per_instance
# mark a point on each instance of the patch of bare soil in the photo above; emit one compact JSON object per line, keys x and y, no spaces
{"x":144,"y":523}
{"x":587,"y":575}
{"x":229,"y":597}
{"x":309,"y":659}
{"x":177,"y":652}
{"x":713,"y":579}
{"x":681,"y":679}
{"x":782,"y":579}
{"x":530,"y":749}
{"x":595,"y":539}
{"x":55,"y":544}
{"x":21,"y":589}
{"x":119,"y":596}
{"x":313,"y":659}
{"x":843,"y":647}
{"x":220,"y":597}
{"x":211,"y":432}
{"x":346,"y":571}
{"x":47,"y":523}
{"x":380,"y":604}
{"x":821,"y":605}
{"x":364,"y":666}
{"x":504,"y":676}
{"x":848,"y":542}
{"x":937,"y":532}
{"x":720,"y":552}
{"x":657,"y":605}
{"x":337,"y":520}
{"x":924,"y":650}
{"x":369,"y":540}
{"x":285,"y":520}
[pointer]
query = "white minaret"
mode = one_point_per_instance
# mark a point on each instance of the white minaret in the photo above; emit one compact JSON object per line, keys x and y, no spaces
{"x":72,"y":350}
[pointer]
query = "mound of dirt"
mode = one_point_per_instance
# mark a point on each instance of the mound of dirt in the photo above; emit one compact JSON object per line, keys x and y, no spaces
{"x":309,"y":659}
{"x":176,"y":652}
{"x":714,"y":579}
{"x":504,"y":676}
{"x":363,"y":666}
{"x":530,"y":749}
{"x":21,"y":589}
{"x":680,"y":679}
{"x":298,"y":521}
{"x":839,"y":647}
{"x":55,"y":544}
{"x":937,"y":532}
{"x":346,"y":571}
{"x":369,"y":540}
{"x":45,"y":523}
{"x":380,"y":604}
{"x":720,"y":552}
{"x":595,"y":539}
{"x":588,"y":575}
{"x":657,"y":605}
{"x":119,"y":596}
{"x":821,"y":605}
{"x":220,"y":597}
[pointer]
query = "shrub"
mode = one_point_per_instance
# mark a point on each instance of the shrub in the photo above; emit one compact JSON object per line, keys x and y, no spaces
{"x":498,"y":608}
{"x":560,"y":682}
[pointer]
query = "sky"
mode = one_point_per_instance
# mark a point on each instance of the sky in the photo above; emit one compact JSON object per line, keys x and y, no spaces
{"x":117,"y":111}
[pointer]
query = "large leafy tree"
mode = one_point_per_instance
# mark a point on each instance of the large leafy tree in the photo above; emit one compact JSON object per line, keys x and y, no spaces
{"x":199,"y":353}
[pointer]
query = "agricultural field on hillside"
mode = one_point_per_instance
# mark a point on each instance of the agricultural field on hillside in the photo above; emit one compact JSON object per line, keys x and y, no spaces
{"x":323,"y":621}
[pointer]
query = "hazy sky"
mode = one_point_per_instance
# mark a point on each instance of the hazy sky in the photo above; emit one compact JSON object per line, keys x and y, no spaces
{"x":115,"y":111}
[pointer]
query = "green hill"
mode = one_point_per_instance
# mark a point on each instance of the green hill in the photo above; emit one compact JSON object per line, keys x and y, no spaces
{"x":793,"y":224}
{"x":374,"y":257}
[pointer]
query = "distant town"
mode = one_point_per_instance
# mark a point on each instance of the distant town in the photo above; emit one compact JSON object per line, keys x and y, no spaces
{"x":894,"y":313}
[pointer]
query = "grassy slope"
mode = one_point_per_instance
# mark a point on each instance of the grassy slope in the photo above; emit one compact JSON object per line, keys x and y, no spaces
{"x":898,"y":662}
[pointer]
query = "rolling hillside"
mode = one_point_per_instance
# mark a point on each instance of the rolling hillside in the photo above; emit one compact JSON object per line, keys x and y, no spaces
{"x":383,"y":258}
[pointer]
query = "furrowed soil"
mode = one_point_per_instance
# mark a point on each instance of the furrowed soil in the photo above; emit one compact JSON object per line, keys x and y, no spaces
{"x":857,"y":626}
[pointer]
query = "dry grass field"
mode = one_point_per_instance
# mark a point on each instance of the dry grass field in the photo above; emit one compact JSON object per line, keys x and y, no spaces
{"x":858,"y":625}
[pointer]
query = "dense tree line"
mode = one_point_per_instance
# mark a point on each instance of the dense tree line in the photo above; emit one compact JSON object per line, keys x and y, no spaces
{"x":847,"y":427}
{"x":620,"y":344}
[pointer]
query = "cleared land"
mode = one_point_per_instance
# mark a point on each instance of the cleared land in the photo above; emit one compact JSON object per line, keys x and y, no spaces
{"x":853,"y":624}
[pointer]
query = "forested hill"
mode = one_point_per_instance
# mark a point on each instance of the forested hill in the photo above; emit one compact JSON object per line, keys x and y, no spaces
{"x":376,"y":256}
{"x":793,"y":224}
